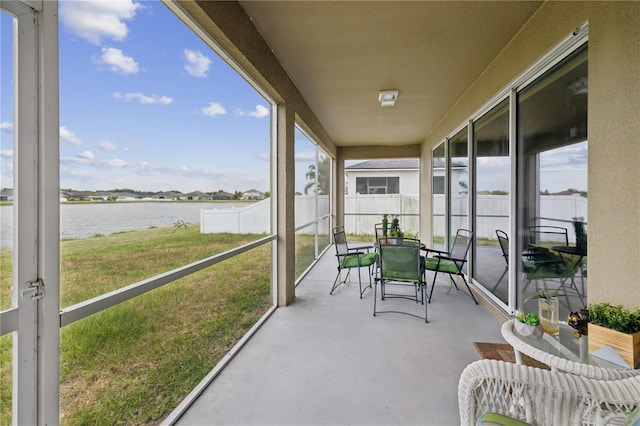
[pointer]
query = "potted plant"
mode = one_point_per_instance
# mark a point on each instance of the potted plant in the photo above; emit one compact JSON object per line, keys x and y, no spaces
{"x":385,"y":226}
{"x":395,"y":231}
{"x":617,"y":327}
{"x":528,"y":325}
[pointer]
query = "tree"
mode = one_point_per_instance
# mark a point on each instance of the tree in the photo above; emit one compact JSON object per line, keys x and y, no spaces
{"x":323,"y":177}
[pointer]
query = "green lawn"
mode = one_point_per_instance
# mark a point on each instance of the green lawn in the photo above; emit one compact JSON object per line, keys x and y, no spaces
{"x":133,"y":363}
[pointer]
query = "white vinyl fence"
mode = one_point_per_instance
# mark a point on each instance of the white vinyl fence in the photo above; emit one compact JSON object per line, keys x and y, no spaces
{"x":256,"y":218}
{"x":492,"y":213}
{"x":362,"y":212}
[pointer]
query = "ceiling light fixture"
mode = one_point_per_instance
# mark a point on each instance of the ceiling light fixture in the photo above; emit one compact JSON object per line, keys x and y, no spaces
{"x":387,"y":98}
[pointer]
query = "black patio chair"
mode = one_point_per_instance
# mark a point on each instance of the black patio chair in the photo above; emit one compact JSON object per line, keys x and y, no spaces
{"x":503,"y":240}
{"x":451,"y":262}
{"x":401,"y":271}
{"x":543,"y":263}
{"x":350,"y":258}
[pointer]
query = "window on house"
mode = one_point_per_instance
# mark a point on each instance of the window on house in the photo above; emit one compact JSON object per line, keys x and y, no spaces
{"x":378,"y":185}
{"x":438,"y":184}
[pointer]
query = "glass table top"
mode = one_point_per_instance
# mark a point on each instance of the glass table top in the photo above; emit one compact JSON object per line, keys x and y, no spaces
{"x":566,"y":345}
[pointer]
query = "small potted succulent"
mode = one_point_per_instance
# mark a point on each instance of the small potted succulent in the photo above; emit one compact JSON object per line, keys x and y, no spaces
{"x":528,"y":325}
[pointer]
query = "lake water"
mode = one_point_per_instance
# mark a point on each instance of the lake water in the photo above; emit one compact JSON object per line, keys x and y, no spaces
{"x":87,"y":220}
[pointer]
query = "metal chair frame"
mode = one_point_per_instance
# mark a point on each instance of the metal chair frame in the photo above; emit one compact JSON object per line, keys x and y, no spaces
{"x":400,"y":265}
{"x":457,"y":255}
{"x":344,"y":253}
{"x":567,"y":282}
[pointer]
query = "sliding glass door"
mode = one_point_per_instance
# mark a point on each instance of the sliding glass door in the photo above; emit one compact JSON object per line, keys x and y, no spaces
{"x":491,"y":197}
{"x":553,"y":154}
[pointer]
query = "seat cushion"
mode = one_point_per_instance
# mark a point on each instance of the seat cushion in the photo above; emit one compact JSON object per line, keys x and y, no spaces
{"x":448,"y":266}
{"x":634,"y":417}
{"x":366,"y":259}
{"x":494,"y":419}
{"x":546,"y":269}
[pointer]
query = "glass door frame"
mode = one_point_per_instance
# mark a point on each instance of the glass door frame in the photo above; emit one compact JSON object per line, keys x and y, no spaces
{"x":566,"y":47}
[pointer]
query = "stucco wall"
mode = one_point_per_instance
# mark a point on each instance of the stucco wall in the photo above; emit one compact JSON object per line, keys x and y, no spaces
{"x":613,"y":128}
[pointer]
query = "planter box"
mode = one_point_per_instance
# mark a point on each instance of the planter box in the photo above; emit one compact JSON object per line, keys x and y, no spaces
{"x":627,"y":345}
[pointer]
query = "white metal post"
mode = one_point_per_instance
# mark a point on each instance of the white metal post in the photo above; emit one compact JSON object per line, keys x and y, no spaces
{"x":36,"y":217}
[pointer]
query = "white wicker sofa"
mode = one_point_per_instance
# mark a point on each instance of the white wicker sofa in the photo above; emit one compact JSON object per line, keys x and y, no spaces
{"x":543,"y":397}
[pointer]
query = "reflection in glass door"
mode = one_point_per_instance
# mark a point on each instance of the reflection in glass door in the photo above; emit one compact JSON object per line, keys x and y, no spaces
{"x":438,"y":197}
{"x":459,"y":181}
{"x":491,"y":198}
{"x":553,"y":152}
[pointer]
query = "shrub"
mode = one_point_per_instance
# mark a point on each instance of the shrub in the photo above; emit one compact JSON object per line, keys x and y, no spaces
{"x":615,"y":317}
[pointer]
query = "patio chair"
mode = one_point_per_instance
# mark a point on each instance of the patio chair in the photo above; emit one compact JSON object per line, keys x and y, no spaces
{"x":507,"y":392}
{"x":350,"y":258}
{"x":451,"y":262}
{"x":401,"y":270}
{"x":503,"y":240}
{"x":378,"y":229}
{"x":543,"y":263}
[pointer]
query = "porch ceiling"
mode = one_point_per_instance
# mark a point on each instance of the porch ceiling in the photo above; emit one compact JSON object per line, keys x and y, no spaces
{"x":341,"y":54}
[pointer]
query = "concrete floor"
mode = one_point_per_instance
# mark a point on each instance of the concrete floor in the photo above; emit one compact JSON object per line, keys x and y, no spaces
{"x":326,"y":360}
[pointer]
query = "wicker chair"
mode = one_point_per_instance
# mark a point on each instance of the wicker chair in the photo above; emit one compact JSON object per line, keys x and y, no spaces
{"x":543,"y":397}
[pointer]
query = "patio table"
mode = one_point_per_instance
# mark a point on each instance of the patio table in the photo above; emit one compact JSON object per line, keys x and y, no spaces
{"x":564,"y":352}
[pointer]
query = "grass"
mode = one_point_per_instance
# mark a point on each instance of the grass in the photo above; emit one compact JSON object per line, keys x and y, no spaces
{"x":133,"y":363}
{"x":306,"y":252}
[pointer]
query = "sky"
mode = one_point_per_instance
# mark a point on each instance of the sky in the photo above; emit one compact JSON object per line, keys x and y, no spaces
{"x":145,"y":104}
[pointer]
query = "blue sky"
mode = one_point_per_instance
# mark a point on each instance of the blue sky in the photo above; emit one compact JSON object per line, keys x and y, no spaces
{"x":145,"y":104}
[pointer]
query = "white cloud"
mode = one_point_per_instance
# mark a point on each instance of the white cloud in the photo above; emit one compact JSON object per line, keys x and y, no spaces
{"x":109,"y":146}
{"x":98,"y":19}
{"x":144,"y":99}
{"x":197,"y":64}
{"x":493,"y":161}
{"x":265,"y":157}
{"x":6,"y":126}
{"x":6,"y":153}
{"x":87,"y":155}
{"x":68,"y":136}
{"x":117,"y":61}
{"x":116,"y":162}
{"x":260,"y":112}
{"x":305,"y":156}
{"x":87,"y":159}
{"x":214,"y":108}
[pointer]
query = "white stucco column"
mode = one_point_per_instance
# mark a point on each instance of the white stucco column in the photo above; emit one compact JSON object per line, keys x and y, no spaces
{"x":339,"y":189}
{"x":285,"y":204}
